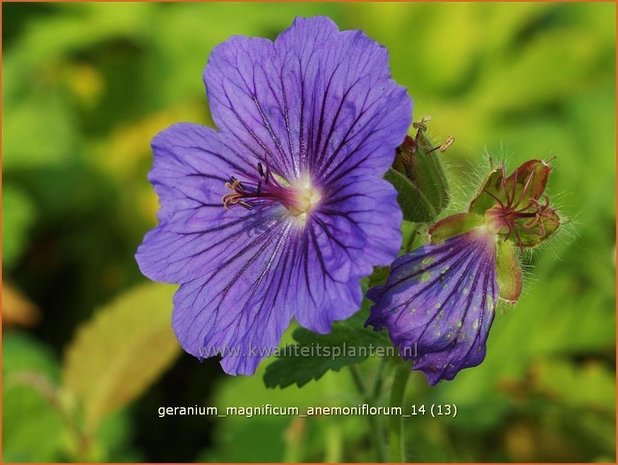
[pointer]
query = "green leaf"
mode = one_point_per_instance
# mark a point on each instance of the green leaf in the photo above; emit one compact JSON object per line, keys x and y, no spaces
{"x":45,"y":113}
{"x":123,"y":349}
{"x":379,"y":276}
{"x":264,"y":437}
{"x":18,"y":216}
{"x":315,"y":354}
{"x":590,"y":385}
{"x":32,"y":429}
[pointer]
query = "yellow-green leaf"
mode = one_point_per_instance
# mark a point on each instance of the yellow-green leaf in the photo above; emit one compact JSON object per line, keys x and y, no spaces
{"x":120,"y":351}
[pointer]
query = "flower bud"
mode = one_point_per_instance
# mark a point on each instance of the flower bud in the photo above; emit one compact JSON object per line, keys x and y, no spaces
{"x":513,"y":208}
{"x":418,"y":176}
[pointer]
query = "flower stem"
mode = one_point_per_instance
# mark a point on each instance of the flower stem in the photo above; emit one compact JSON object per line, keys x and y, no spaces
{"x":379,"y":380}
{"x":396,"y":437}
{"x":333,"y":443}
{"x":374,"y":426}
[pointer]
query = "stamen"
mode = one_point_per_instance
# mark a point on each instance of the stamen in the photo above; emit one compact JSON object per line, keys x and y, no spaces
{"x":299,"y":197}
{"x":265,"y":174}
{"x":235,"y":197}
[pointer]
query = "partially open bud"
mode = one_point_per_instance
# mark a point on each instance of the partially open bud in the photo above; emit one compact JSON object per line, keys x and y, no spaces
{"x":515,"y":211}
{"x":418,"y":176}
{"x":515,"y":207}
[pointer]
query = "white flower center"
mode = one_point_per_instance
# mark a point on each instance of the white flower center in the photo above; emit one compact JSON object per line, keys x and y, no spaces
{"x":303,"y":197}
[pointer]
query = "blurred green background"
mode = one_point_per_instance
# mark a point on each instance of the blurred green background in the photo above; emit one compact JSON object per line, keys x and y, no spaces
{"x":88,"y":354}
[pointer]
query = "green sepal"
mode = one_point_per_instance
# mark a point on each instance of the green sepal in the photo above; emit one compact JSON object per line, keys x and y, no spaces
{"x":413,"y":203}
{"x":527,"y":183}
{"x":491,"y":189}
{"x":546,"y":226}
{"x":454,"y":225}
{"x":427,"y":173}
{"x":509,"y":273}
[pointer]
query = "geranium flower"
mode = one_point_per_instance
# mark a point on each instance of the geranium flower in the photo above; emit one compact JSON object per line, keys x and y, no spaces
{"x":439,"y":301}
{"x":279,"y":213}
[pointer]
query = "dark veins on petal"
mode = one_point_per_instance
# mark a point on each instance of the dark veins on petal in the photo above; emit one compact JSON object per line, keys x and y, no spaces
{"x":438,"y":304}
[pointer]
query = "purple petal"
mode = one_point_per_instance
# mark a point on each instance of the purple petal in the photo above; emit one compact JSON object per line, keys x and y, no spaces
{"x":189,"y":172}
{"x":439,"y":303}
{"x":316,"y":100}
{"x":362,"y":215}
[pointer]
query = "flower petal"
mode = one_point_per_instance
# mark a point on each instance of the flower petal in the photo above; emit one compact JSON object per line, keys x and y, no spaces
{"x":241,"y":309}
{"x":188,"y":174}
{"x":315,"y":100}
{"x":439,"y":303}
{"x":361,"y":214}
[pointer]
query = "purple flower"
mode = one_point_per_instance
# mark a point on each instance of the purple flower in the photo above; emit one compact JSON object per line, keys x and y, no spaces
{"x":439,"y":302}
{"x":279,"y":213}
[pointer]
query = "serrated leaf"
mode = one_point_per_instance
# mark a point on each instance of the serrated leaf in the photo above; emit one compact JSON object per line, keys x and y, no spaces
{"x":333,"y":389}
{"x":124,"y":348}
{"x":315,"y":354}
